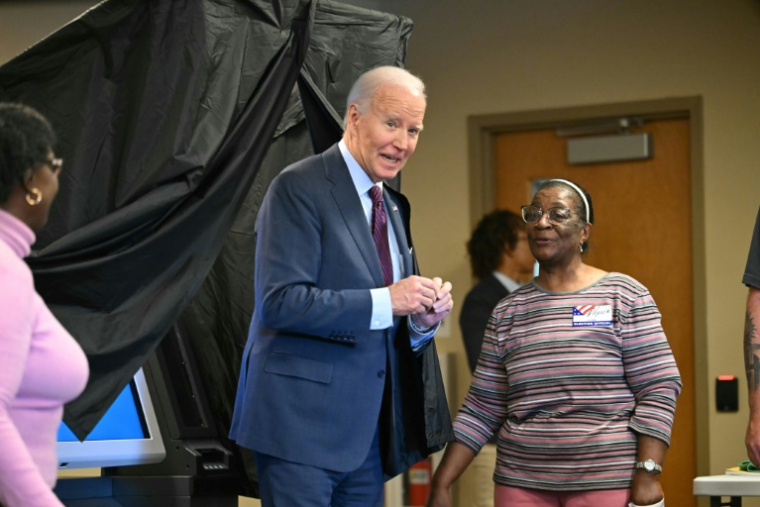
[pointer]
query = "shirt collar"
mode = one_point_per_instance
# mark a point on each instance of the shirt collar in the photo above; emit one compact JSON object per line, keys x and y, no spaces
{"x":506,"y":281}
{"x":358,"y":175}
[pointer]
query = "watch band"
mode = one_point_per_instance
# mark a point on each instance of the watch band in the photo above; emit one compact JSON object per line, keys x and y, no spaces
{"x":649,"y":465}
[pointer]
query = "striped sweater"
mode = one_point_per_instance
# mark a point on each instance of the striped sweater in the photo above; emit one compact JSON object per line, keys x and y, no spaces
{"x":568,"y":380}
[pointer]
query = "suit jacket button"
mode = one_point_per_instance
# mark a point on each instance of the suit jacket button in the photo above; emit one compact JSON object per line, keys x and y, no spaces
{"x":380,"y":373}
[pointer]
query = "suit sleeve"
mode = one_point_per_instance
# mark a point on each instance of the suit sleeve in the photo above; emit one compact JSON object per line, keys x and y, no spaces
{"x":292,"y":293}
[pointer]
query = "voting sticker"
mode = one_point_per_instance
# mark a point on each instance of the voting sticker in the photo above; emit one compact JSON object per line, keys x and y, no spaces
{"x":592,"y":315}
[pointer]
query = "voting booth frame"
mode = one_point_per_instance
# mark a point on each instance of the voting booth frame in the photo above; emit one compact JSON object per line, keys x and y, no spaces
{"x":200,"y":469}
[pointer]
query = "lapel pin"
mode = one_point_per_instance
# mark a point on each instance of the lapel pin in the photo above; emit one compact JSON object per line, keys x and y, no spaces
{"x":395,"y":208}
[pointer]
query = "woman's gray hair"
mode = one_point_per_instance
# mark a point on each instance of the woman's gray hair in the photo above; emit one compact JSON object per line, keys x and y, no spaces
{"x":584,"y":209}
{"x":364,"y":89}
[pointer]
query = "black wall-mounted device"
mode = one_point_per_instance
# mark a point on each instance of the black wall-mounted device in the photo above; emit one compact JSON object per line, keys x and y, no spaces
{"x":727,"y":393}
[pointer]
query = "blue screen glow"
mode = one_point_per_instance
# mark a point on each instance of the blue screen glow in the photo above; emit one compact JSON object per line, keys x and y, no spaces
{"x":121,"y":422}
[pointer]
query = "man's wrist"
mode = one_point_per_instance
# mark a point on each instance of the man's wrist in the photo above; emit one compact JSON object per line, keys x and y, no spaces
{"x":418,"y":329}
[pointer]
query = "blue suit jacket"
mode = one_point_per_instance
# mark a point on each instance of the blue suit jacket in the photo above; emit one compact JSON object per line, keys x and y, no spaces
{"x":315,"y":381}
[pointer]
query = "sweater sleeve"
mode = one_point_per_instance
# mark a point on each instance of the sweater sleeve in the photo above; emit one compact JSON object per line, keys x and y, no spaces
{"x":485,"y":406}
{"x":21,"y":483}
{"x":650,"y":369}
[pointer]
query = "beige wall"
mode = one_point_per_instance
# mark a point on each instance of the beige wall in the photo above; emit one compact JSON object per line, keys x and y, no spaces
{"x":498,"y":56}
{"x":501,"y":56}
{"x":23,"y":23}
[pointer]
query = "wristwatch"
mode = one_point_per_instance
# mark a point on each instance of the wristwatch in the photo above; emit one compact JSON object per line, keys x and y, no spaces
{"x":649,"y":465}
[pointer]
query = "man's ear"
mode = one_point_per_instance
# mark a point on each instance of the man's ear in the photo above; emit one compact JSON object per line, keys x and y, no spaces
{"x":353,"y":114}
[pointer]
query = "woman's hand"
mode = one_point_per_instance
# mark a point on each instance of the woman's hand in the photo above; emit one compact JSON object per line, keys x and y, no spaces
{"x":646,"y":488}
{"x":455,"y":459}
{"x":439,"y":497}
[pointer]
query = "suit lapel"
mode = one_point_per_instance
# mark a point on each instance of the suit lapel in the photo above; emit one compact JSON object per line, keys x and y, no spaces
{"x":350,"y":206}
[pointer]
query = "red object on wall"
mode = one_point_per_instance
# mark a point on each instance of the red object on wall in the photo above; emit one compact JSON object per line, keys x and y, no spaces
{"x":420,"y":475}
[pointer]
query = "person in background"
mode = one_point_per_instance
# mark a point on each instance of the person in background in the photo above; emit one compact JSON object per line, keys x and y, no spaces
{"x":575,"y":375}
{"x":340,"y":386}
{"x":500,"y":258}
{"x":41,"y":365}
{"x":752,"y":345}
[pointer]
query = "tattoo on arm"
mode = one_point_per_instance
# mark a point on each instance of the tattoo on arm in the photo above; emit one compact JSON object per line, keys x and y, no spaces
{"x":751,"y":357}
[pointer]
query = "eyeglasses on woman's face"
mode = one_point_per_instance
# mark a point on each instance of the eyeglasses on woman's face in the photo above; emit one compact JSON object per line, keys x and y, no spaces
{"x":556,"y":216}
{"x":56,"y":164}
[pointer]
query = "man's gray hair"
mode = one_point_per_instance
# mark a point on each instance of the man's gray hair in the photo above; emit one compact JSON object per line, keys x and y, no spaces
{"x":364,"y":89}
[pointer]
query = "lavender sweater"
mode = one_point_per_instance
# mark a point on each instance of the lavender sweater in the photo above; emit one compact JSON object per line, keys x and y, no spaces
{"x":41,"y":368}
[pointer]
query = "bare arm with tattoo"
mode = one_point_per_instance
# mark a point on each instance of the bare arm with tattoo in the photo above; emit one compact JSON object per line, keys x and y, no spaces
{"x":752,"y":369}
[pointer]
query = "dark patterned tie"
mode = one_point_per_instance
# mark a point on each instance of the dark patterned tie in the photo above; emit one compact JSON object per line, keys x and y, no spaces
{"x":380,"y":233}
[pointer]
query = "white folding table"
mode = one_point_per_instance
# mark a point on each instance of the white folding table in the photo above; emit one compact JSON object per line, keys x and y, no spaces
{"x":733,"y":486}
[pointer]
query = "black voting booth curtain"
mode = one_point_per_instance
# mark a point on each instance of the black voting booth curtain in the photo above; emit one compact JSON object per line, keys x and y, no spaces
{"x":173,"y":117}
{"x":345,"y":42}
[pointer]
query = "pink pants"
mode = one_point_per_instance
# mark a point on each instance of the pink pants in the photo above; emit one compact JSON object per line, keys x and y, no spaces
{"x":505,"y":496}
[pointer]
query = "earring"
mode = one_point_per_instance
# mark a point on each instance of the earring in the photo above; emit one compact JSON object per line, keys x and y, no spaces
{"x":33,"y":196}
{"x":581,"y":246}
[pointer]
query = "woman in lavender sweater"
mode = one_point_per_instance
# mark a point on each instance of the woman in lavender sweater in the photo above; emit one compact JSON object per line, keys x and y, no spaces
{"x":575,"y":377}
{"x":41,"y":366}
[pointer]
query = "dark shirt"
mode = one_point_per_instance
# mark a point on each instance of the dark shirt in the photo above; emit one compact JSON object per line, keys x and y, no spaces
{"x":476,"y":310}
{"x":752,"y":271}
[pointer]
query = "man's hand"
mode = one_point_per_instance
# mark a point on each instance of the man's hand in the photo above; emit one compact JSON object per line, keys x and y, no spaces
{"x":752,"y":439}
{"x":414,"y":294}
{"x":441,"y":306}
{"x":427,"y":300}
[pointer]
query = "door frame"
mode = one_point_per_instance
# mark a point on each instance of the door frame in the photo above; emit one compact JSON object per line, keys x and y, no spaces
{"x":481,"y":133}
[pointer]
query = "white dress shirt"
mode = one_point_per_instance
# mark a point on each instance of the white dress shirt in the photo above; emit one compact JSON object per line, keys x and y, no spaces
{"x":382,"y":310}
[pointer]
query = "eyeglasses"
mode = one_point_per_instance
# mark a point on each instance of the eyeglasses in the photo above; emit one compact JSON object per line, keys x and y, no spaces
{"x":56,"y":164}
{"x":557,"y":216}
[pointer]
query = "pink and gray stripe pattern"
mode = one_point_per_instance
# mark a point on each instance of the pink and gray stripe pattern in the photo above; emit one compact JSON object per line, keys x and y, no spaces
{"x":567,"y":401}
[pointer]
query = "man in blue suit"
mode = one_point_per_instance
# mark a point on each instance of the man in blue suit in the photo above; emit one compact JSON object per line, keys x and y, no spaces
{"x":340,"y":386}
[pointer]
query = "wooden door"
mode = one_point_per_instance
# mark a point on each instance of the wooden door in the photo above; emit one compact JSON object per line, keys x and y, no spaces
{"x":643,"y":229}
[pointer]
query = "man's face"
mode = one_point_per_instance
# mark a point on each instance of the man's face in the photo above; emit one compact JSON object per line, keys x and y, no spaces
{"x":385,"y":136}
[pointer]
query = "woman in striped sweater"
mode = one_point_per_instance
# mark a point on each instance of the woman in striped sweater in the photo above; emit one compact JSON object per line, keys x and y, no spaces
{"x":575,"y":377}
